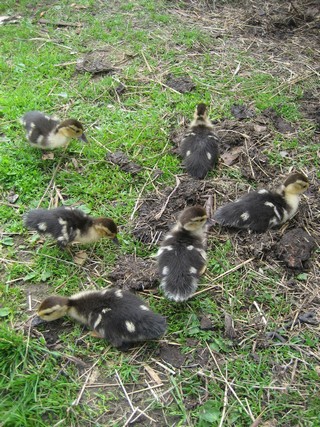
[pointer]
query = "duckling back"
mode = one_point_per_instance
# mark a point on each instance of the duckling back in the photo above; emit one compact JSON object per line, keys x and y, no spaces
{"x":199,"y":148}
{"x":62,"y":223}
{"x":256,"y":211}
{"x":118,"y":316}
{"x":38,"y":126}
{"x":181,"y":260}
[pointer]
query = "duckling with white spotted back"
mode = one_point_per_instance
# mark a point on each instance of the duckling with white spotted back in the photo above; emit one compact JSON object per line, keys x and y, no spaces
{"x":182,"y":257}
{"x":48,"y":133}
{"x":67,"y":225}
{"x":260,"y":210}
{"x":118,"y":316}
{"x":199,"y":148}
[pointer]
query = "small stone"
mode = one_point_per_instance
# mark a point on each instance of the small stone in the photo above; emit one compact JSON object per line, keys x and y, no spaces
{"x":206,"y":324}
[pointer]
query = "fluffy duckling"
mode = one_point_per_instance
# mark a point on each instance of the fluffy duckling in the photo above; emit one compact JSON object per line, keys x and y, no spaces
{"x":68,"y":225}
{"x":181,"y":257}
{"x":48,"y":133}
{"x":199,"y":148}
{"x":116,"y":315}
{"x":264,"y":209}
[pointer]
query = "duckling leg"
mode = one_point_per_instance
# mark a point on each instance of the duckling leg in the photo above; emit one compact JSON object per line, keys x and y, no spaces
{"x":95,"y":334}
{"x":202,"y":271}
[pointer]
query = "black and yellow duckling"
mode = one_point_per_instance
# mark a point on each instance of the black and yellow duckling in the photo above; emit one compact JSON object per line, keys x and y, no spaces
{"x":199,"y":148}
{"x":116,"y":315}
{"x":260,"y":210}
{"x":181,"y":257}
{"x":68,"y":225}
{"x":48,"y":133}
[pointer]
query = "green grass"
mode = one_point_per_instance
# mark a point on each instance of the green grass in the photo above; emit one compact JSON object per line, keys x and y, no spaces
{"x":146,"y":41}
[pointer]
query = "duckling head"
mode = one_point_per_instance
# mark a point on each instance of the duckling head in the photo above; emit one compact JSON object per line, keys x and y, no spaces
{"x":296,"y":183}
{"x":200,"y":117}
{"x":201,"y":111}
{"x":53,"y":308}
{"x":72,"y":128}
{"x":106,"y":227}
{"x":193,"y":218}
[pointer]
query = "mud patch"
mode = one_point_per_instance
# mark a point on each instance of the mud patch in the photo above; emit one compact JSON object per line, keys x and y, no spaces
{"x":295,"y":248}
{"x":309,"y":106}
{"x":180,"y":84}
{"x":172,"y":355}
{"x":154,"y":220}
{"x":279,"y":123}
{"x":135,"y":273}
{"x":96,"y":62}
{"x":242,"y":112}
{"x":283,"y":19}
{"x":120,"y":159}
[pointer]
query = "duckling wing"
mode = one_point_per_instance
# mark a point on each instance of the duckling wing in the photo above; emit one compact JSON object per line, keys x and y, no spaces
{"x":256,"y":211}
{"x":121,"y":317}
{"x":180,"y":264}
{"x":200,"y":152}
{"x":38,"y":126}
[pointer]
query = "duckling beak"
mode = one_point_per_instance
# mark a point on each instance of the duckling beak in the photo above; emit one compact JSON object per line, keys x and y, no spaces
{"x":83,"y":138}
{"x":116,"y":241}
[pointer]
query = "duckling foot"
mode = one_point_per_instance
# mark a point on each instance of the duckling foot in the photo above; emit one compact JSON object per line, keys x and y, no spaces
{"x":95,"y":334}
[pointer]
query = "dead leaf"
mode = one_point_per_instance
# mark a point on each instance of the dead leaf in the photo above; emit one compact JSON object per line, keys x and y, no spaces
{"x":12,"y":197}
{"x":120,"y":159}
{"x":230,"y":157}
{"x":153,"y":374}
{"x":48,"y":156}
{"x":259,"y":128}
{"x":80,"y":257}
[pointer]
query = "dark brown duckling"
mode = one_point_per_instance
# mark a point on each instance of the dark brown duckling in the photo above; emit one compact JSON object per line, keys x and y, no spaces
{"x":48,"y":133}
{"x":199,"y":148}
{"x":116,"y":315}
{"x":260,"y":210}
{"x":67,"y":225}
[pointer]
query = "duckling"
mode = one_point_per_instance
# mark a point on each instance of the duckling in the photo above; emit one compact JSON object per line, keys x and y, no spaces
{"x":199,"y":148}
{"x":181,"y":257}
{"x":260,"y":210}
{"x":48,"y":133}
{"x":116,"y":315}
{"x":68,"y":225}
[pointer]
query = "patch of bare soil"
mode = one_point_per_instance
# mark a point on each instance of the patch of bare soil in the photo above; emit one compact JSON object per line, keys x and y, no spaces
{"x":295,"y":248}
{"x":180,"y":84}
{"x":121,"y":159}
{"x":134,"y":273}
{"x":309,"y":106}
{"x":172,"y":355}
{"x":153,"y":221}
{"x":96,"y":62}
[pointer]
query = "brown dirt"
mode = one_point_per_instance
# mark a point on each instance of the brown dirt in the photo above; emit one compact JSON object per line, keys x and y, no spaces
{"x":180,"y":84}
{"x":120,"y":159}
{"x":135,"y":273}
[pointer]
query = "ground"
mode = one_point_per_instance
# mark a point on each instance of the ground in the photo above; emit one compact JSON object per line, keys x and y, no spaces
{"x":245,"y":349}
